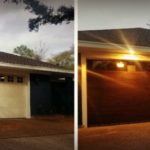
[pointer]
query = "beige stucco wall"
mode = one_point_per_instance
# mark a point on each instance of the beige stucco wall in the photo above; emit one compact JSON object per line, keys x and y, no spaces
{"x":14,"y":97}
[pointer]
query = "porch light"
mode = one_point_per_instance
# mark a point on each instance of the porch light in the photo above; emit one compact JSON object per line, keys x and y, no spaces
{"x":120,"y":64}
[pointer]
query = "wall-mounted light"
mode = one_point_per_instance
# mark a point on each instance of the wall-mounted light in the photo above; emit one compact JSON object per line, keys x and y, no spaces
{"x":120,"y":64}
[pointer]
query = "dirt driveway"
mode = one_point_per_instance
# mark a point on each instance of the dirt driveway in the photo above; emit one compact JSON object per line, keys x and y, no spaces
{"x":118,"y":137}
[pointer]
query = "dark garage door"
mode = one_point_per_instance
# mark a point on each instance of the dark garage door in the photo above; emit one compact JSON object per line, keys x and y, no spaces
{"x":117,"y":95}
{"x":51,"y":94}
{"x":41,"y":95}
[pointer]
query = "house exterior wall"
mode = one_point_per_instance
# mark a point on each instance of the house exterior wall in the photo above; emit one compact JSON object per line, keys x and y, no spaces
{"x":14,"y":97}
{"x":97,"y":53}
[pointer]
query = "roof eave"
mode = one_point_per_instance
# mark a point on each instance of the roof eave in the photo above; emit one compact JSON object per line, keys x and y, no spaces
{"x":35,"y":68}
{"x":112,"y":47}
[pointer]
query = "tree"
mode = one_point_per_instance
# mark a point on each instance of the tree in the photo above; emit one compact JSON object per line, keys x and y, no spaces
{"x":40,"y":52}
{"x":24,"y":51}
{"x":45,"y":14}
{"x":64,"y":59}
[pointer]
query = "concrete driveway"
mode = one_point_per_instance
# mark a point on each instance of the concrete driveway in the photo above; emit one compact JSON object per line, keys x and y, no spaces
{"x":36,"y":126}
{"x":39,"y":133}
{"x":117,"y":137}
{"x":53,"y":142}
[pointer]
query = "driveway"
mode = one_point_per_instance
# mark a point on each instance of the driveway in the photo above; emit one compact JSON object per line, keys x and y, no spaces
{"x":53,"y":142}
{"x":38,"y":126}
{"x":39,"y":133}
{"x":117,"y":137}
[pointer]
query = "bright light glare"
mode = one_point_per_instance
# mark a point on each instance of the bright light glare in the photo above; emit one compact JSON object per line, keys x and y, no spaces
{"x":2,"y":77}
{"x":130,"y":57}
{"x":120,"y":64}
{"x":131,"y":51}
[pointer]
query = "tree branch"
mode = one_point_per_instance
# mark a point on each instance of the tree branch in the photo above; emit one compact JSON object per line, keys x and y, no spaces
{"x":45,"y":14}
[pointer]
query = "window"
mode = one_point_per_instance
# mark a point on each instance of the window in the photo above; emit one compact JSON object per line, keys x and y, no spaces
{"x":20,"y":79}
{"x":10,"y":78}
{"x":2,"y":78}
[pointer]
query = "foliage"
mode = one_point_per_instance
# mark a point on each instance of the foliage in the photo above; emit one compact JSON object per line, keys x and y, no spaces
{"x":40,"y":52}
{"x":24,"y":51}
{"x":45,"y":14}
{"x":64,"y":59}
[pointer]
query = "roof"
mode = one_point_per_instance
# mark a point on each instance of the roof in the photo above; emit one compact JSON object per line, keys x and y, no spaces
{"x":132,"y":36}
{"x":19,"y":60}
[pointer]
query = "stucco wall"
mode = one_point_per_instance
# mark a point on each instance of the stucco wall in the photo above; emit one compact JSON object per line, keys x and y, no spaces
{"x":14,"y":96}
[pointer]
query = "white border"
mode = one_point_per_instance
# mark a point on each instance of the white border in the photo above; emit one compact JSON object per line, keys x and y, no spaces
{"x":76,"y":75}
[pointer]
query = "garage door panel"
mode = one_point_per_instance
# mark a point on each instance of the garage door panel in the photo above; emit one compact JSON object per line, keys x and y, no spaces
{"x":12,"y":112}
{"x":13,"y":100}
{"x":117,"y":116}
{"x":118,"y":96}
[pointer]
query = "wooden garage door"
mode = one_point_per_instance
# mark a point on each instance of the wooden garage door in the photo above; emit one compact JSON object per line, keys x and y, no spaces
{"x":118,"y":95}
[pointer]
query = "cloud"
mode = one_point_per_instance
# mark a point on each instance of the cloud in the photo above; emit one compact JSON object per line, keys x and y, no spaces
{"x":105,"y":14}
{"x":14,"y":30}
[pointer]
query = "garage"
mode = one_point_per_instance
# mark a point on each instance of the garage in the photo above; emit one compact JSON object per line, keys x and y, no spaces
{"x":114,"y":76}
{"x":51,"y":94}
{"x":31,"y":88}
{"x":117,"y":95}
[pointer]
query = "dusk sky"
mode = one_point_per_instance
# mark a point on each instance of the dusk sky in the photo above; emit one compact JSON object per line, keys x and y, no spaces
{"x":14,"y":29}
{"x":109,"y":14}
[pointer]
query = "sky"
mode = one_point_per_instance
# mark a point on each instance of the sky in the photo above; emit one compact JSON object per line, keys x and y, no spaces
{"x":14,"y":30}
{"x":111,"y":14}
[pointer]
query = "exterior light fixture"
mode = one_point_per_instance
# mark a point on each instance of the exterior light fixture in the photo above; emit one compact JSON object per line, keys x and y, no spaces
{"x":120,"y":64}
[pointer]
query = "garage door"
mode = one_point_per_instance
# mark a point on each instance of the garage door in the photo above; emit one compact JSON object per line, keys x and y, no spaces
{"x":13,"y":95}
{"x":118,"y":94}
{"x":51,"y":94}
